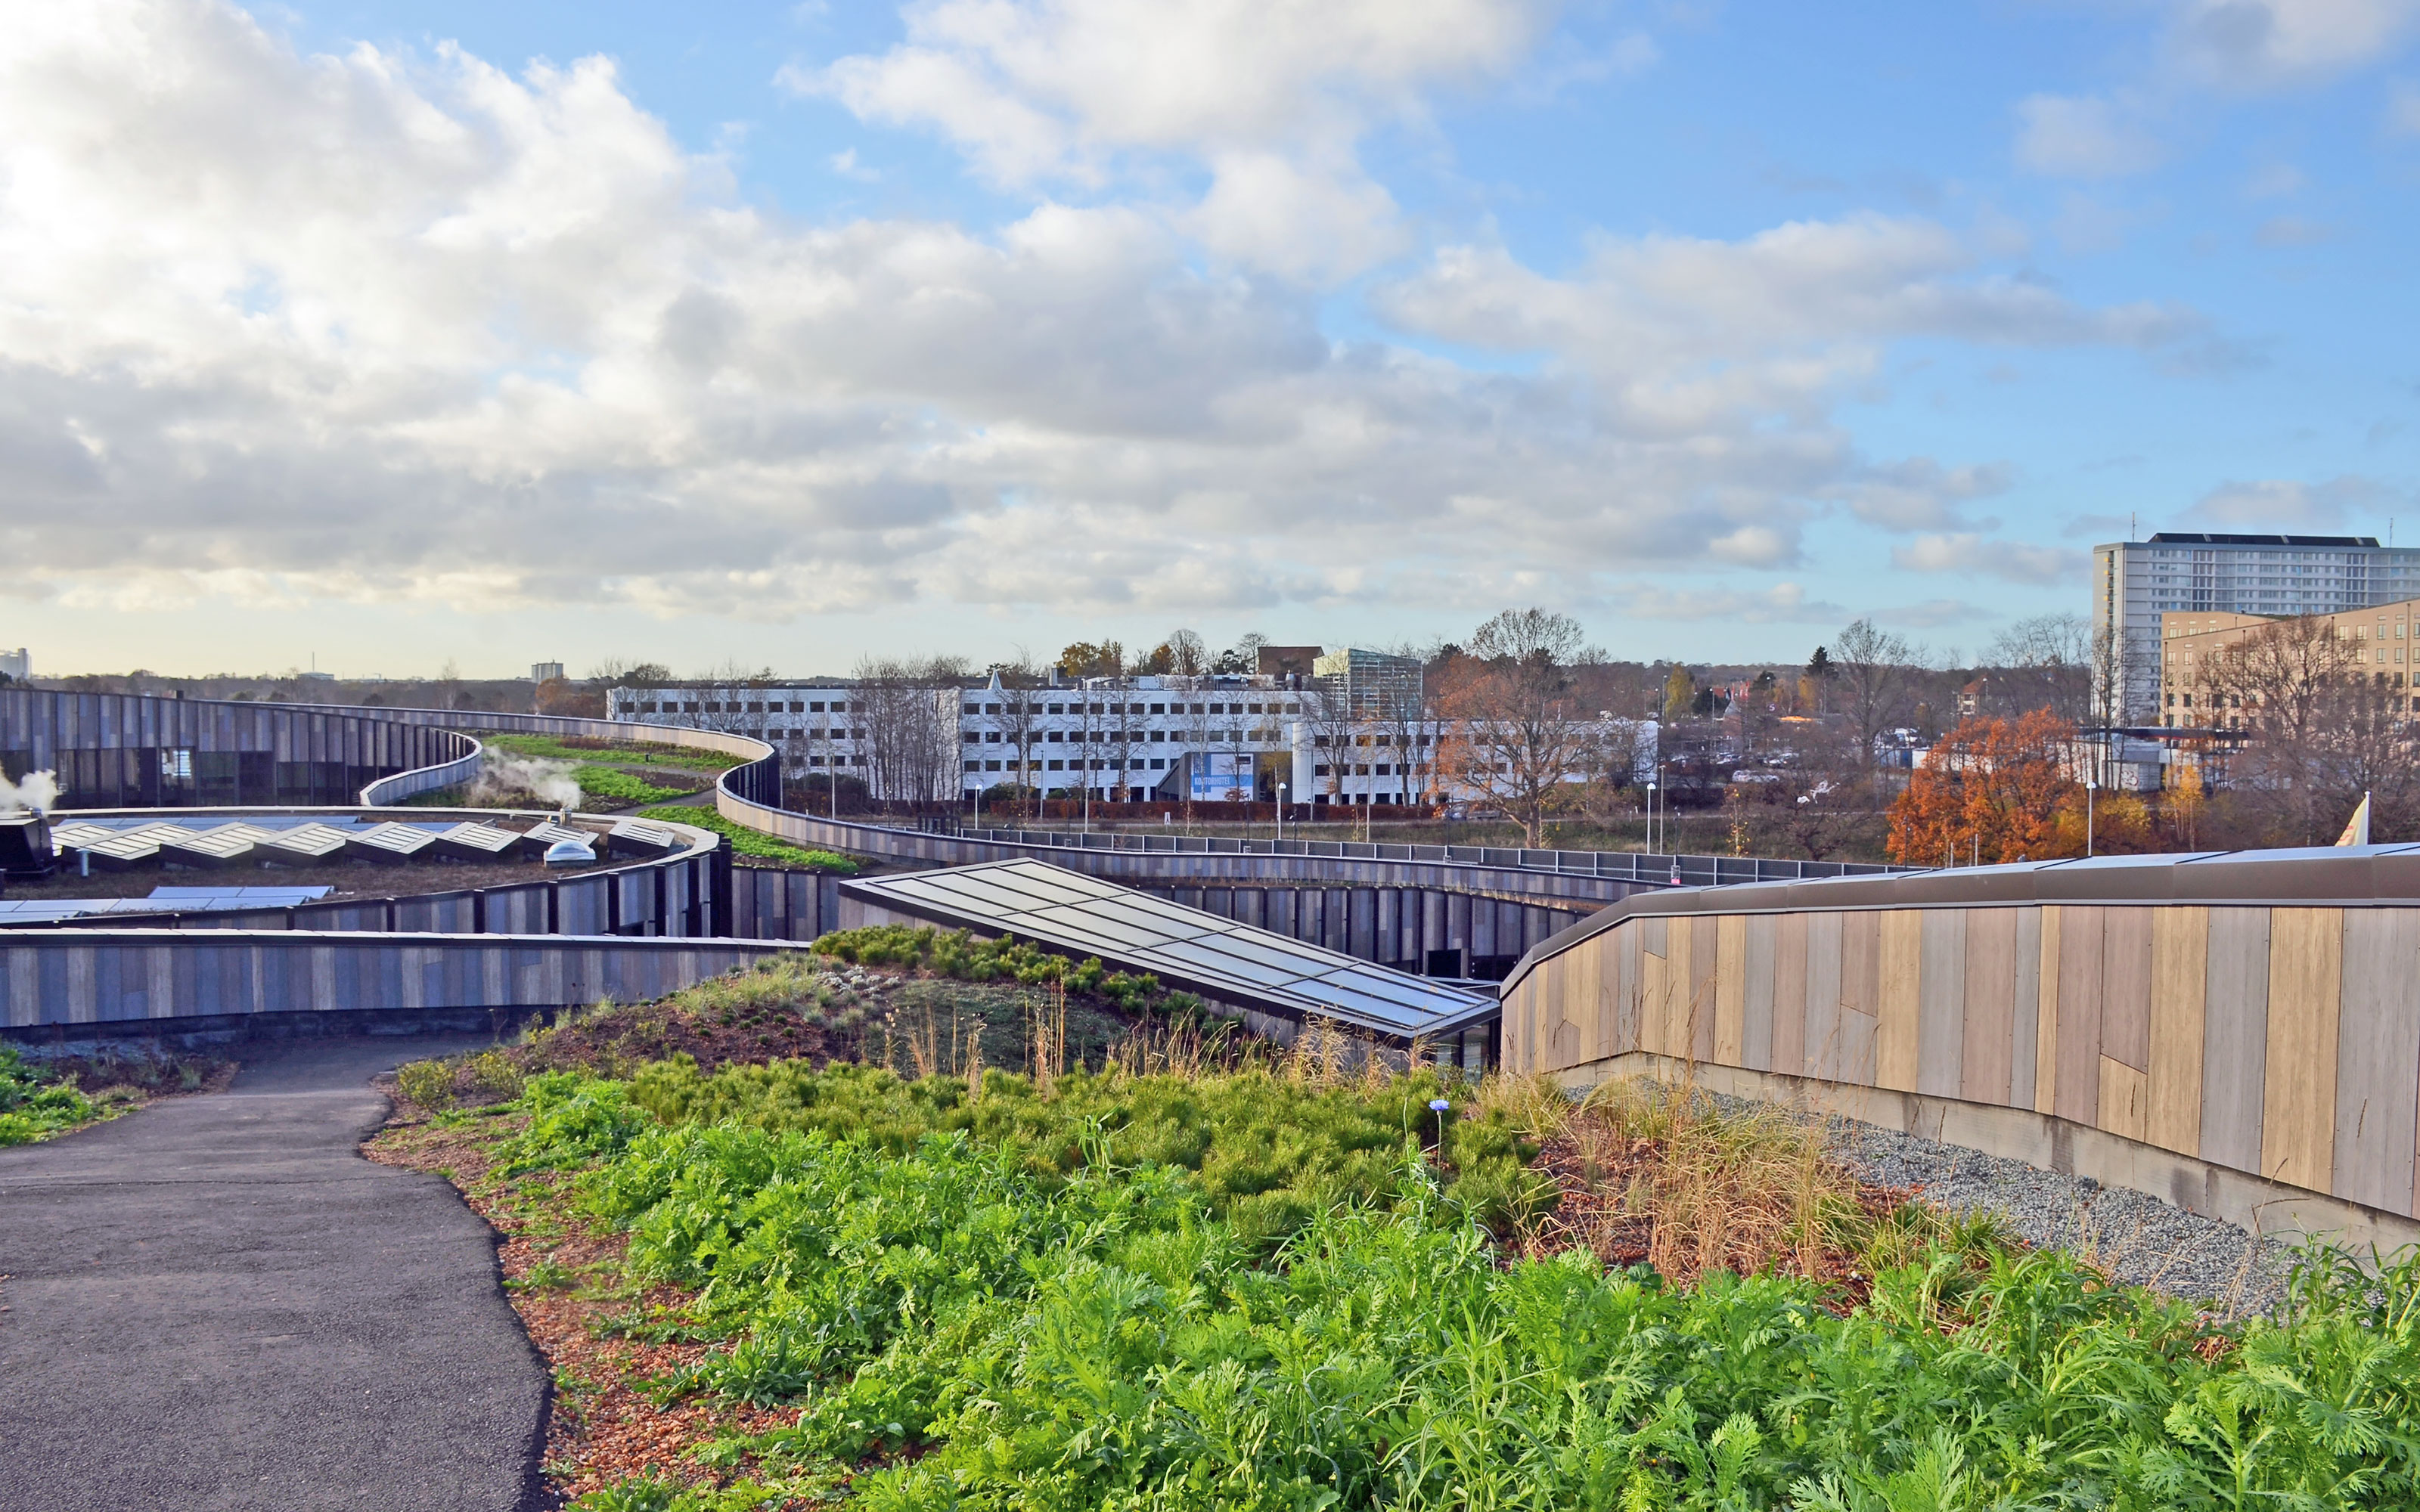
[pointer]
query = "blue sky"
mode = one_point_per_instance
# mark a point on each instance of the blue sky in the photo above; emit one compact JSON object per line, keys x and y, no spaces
{"x":792,"y":334}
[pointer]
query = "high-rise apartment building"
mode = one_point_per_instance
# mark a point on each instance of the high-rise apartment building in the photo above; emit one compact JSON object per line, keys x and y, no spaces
{"x":2134,"y":582}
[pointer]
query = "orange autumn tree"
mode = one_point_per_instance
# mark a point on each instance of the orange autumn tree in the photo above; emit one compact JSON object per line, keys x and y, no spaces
{"x":1992,"y":790}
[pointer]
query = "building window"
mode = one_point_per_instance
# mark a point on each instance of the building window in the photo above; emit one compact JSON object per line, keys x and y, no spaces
{"x":974,"y":767}
{"x":1058,"y":767}
{"x":991,"y":766}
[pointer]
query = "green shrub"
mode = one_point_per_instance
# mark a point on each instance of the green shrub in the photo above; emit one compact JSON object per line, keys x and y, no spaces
{"x":428,"y":1083}
{"x":961,"y":957}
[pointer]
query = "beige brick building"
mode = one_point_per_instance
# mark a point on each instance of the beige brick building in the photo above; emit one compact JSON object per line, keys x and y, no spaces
{"x":2383,"y":640}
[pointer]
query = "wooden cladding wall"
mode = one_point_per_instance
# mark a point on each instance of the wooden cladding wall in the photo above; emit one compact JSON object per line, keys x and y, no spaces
{"x":2283,"y":1042}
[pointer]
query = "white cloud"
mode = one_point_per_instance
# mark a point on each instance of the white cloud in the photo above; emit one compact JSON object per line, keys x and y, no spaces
{"x":2255,"y":44}
{"x":2063,"y":137}
{"x":387,"y":328}
{"x":1972,"y":553}
{"x":1917,"y":494}
{"x":2283,"y":503}
{"x":1781,"y":604}
{"x":1271,"y":98}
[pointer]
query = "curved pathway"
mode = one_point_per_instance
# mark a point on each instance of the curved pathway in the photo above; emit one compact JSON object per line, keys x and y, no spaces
{"x":216,"y":1302}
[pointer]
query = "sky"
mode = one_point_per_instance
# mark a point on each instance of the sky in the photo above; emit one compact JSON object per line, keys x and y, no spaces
{"x":373,"y":335}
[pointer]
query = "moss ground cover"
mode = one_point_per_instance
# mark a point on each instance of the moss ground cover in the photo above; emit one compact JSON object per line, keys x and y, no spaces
{"x":755,"y":844}
{"x":1262,"y":1288}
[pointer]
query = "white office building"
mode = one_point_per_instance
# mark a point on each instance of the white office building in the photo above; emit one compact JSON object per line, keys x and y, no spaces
{"x":1207,"y":739}
{"x":1211,"y":738}
{"x":2134,"y":582}
{"x":17,"y":665}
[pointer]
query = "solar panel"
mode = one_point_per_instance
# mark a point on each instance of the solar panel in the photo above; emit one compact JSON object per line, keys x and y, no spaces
{"x":642,"y":837}
{"x":1184,"y":946}
{"x":477,"y":843}
{"x":239,"y":897}
{"x":392,"y":841}
{"x":305,"y":844}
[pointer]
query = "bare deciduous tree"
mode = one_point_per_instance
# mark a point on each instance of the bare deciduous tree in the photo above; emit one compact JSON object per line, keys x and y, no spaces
{"x":2293,"y":684}
{"x":1872,"y":666}
{"x":2046,"y":662}
{"x":909,"y":711}
{"x":1517,"y":734}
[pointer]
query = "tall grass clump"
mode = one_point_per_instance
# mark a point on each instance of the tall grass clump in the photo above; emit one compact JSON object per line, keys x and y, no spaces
{"x":959,"y":956}
{"x":1261,"y":1290}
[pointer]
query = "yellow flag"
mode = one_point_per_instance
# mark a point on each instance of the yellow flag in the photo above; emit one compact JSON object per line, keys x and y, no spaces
{"x":2357,"y":827}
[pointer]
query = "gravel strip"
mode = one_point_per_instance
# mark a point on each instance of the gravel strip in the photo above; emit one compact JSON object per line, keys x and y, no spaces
{"x":2135,"y":1237}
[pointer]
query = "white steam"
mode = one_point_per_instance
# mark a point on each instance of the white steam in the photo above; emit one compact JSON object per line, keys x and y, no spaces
{"x":508,"y":780}
{"x":39,"y":792}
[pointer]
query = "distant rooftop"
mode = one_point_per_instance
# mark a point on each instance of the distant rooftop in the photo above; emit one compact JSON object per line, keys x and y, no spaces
{"x":2213,"y":538}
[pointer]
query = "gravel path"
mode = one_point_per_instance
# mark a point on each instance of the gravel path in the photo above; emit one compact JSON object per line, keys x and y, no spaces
{"x":2135,"y":1237}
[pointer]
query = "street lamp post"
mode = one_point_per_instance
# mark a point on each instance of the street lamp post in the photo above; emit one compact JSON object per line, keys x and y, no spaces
{"x":1650,"y":816}
{"x":2091,"y":785}
{"x":1281,"y":802}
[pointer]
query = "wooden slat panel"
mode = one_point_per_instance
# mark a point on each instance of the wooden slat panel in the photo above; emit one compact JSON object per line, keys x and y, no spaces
{"x":1628,"y":992}
{"x":2234,"y":1038}
{"x":2047,"y":977}
{"x":1856,"y":1052}
{"x":1790,"y":995}
{"x":1941,"y":1004}
{"x":1987,"y":1038}
{"x":2126,"y":985}
{"x":2076,"y":1093}
{"x":1701,"y":1008}
{"x":1756,"y":1011}
{"x":1655,"y":990}
{"x":2378,"y":1057}
{"x":2125,"y":1099}
{"x":1603,"y":970}
{"x":2298,"y":1103}
{"x":2025,"y":1007}
{"x":1823,"y":1013}
{"x":1566,"y":1007}
{"x":1897,"y":998}
{"x":1515,"y":1045}
{"x":1731,"y":991}
{"x":2180,"y":971}
{"x":1861,"y":962}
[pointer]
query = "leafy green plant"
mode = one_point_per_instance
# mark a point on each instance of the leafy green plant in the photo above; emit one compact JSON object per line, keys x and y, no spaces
{"x":753,"y":842}
{"x":621,"y":787}
{"x":1255,"y":1290}
{"x":35,"y":1104}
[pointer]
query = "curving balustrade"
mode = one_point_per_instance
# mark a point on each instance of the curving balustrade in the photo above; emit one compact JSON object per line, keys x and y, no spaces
{"x":2237,"y":1033}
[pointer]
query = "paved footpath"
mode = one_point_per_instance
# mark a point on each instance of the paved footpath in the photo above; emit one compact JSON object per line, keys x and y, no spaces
{"x":215,"y":1302}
